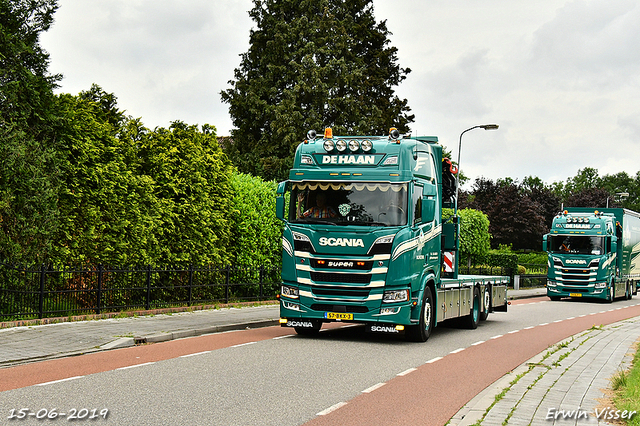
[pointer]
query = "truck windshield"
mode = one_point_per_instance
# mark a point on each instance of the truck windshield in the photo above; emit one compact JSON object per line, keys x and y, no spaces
{"x":576,"y":244}
{"x":349,"y":203}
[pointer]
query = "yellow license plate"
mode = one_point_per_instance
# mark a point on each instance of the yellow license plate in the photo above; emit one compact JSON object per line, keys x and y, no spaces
{"x":338,"y":316}
{"x":575,"y":294}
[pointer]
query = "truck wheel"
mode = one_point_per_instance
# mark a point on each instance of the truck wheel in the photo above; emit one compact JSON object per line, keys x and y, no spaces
{"x":422,"y":331}
{"x":626,"y":291}
{"x":612,"y":294}
{"x":474,"y":316}
{"x":487,"y":304}
{"x":304,"y":331}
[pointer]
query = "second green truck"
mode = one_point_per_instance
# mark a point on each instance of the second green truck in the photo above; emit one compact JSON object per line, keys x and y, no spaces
{"x":593,"y":253}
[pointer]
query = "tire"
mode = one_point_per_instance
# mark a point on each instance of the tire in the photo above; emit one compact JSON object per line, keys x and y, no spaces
{"x":471,"y":320}
{"x":627,"y":291}
{"x":612,"y":294}
{"x":422,"y":331}
{"x":304,"y":331}
{"x":487,"y":304}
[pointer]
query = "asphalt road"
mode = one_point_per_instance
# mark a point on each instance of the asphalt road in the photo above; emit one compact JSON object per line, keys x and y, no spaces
{"x":272,"y":377}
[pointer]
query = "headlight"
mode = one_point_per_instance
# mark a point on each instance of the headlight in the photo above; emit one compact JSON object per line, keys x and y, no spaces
{"x":289,"y":291}
{"x":300,"y":237}
{"x":551,"y":283}
{"x":393,"y":296}
{"x":385,"y":240}
{"x":601,"y":285}
{"x":366,"y":145}
{"x":341,"y":145}
{"x":354,"y":145}
{"x":328,"y":145}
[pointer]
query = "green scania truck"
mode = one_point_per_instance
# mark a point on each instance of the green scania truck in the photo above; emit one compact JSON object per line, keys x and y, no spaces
{"x":364,"y":240}
{"x":593,"y":253}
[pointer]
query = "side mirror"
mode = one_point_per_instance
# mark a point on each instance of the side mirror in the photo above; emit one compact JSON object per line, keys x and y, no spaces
{"x":280,"y":199}
{"x":544,"y":242}
{"x":429,"y":193}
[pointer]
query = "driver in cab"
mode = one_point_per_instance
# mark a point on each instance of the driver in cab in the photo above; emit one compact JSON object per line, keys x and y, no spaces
{"x":321,"y":209}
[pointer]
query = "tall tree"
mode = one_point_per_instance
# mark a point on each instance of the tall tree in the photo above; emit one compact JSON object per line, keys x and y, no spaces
{"x":28,"y":118}
{"x":542,"y":194}
{"x":311,"y":64}
{"x":592,"y":197}
{"x":515,"y":219}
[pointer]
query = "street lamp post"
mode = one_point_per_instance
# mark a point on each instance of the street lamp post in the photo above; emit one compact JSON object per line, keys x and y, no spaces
{"x":482,"y":126}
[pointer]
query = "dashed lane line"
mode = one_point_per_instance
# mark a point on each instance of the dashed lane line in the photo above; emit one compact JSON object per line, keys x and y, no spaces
{"x":59,"y":381}
{"x":405,"y":372}
{"x":331,"y":409}
{"x":135,"y":366}
{"x":374,"y":387}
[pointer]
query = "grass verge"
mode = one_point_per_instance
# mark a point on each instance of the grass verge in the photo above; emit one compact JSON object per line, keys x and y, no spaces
{"x":626,"y":386}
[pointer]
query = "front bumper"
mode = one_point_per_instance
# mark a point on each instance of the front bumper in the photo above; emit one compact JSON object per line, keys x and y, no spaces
{"x":388,"y":314}
{"x":592,"y":290}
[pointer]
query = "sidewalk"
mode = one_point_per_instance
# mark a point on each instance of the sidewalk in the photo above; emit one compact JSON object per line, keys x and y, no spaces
{"x":39,"y":342}
{"x":562,"y":386}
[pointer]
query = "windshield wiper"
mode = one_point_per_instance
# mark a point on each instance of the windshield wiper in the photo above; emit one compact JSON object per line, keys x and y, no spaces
{"x":366,"y":223}
{"x":318,"y":221}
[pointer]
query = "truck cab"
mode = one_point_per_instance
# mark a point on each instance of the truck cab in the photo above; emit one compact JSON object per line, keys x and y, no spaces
{"x":585,"y":254}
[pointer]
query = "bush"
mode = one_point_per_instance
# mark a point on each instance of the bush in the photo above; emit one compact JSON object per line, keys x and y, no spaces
{"x":256,"y":233}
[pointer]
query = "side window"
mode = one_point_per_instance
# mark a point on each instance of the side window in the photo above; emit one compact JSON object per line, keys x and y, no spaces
{"x":417,"y":204}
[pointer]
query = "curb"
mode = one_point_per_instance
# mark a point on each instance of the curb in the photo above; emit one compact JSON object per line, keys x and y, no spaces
{"x":165,"y":337}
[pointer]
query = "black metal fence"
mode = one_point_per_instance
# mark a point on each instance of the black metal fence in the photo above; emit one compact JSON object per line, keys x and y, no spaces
{"x":535,"y":275}
{"x":27,"y":293}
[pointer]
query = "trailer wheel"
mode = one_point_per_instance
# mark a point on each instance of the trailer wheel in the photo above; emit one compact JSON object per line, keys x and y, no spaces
{"x":487,"y":304}
{"x":474,"y":316}
{"x":628,"y":294}
{"x":422,"y":331}
{"x":304,"y":331}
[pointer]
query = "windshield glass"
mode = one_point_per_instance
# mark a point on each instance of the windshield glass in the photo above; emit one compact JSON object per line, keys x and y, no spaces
{"x":576,"y":244}
{"x":350,"y":203}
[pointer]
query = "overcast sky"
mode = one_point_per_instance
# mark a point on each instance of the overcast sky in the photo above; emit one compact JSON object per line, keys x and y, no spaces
{"x":561,"y":78}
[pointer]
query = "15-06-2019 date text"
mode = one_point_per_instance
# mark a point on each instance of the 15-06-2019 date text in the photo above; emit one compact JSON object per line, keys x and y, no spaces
{"x":52,"y":414}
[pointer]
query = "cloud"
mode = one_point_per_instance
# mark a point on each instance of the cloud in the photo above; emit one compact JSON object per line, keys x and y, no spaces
{"x":590,"y":43}
{"x":165,"y":60}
